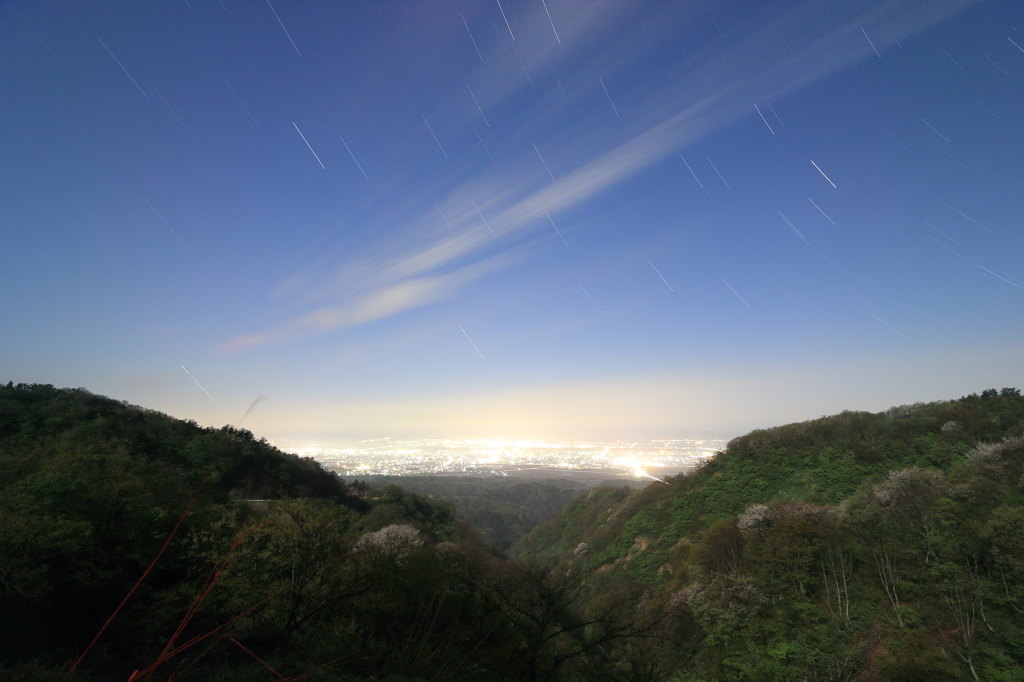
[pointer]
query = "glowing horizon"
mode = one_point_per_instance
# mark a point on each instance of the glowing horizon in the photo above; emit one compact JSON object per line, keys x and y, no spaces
{"x":657,"y":224}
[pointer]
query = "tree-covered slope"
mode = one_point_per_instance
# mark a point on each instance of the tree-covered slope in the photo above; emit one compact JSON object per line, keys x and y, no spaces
{"x":137,"y":546}
{"x":91,"y":489}
{"x":502,"y":509}
{"x":821,"y":461}
{"x":856,"y":546}
{"x":39,"y":422}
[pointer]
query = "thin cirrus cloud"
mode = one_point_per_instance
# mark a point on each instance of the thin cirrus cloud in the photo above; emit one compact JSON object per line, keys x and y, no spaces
{"x":384,"y":299}
{"x":446,"y":252}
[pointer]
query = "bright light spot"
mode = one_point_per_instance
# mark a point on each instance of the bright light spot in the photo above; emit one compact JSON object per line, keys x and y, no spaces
{"x":496,"y":455}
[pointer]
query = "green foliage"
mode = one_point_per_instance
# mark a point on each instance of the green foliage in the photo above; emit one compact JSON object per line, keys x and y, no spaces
{"x":595,"y":517}
{"x":819,"y":550}
{"x":393,"y":505}
{"x":822,"y":461}
{"x":1004,"y":535}
{"x":855,"y":547}
{"x":720,"y":550}
{"x":727,"y":608}
{"x":90,"y":489}
{"x":501,"y":509}
{"x":37,"y":420}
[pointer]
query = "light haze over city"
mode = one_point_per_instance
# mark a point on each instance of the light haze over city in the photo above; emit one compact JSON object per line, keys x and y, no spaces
{"x":520,"y":219}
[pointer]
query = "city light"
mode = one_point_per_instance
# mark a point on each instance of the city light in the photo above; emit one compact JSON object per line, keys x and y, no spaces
{"x":540,"y":457}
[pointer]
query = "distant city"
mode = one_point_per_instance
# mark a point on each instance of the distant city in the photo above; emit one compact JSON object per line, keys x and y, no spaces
{"x":533,"y":458}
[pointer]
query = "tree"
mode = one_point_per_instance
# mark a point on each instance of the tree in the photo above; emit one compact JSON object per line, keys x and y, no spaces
{"x":726,"y":607}
{"x":295,"y":556}
{"x":835,"y":555}
{"x":963,"y":596}
{"x":784,"y":545}
{"x":863,"y":515}
{"x":1004,"y":536}
{"x":720,"y":549}
{"x":909,"y":497}
{"x":549,"y":623}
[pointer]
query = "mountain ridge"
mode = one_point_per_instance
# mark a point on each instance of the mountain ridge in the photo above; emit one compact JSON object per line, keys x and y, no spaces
{"x":837,"y":454}
{"x":861,"y":546}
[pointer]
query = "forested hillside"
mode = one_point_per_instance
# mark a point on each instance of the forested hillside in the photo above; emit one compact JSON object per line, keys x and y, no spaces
{"x":135,"y":545}
{"x":501,"y":509}
{"x":857,"y":546}
{"x":90,"y":490}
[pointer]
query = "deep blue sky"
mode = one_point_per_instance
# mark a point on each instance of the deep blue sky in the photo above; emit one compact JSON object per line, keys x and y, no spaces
{"x":586,"y":219}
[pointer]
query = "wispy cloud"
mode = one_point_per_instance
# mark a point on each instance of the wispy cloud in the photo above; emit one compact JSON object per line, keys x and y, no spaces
{"x":352,"y":306}
{"x":436,"y":261}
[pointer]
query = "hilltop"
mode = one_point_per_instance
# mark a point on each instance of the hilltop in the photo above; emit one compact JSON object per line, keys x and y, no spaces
{"x":42,"y":426}
{"x":134,"y":544}
{"x":821,"y":461}
{"x":91,"y":489}
{"x":861,"y":537}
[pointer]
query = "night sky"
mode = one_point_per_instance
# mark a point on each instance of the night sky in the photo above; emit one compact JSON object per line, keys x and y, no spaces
{"x":559,"y":218}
